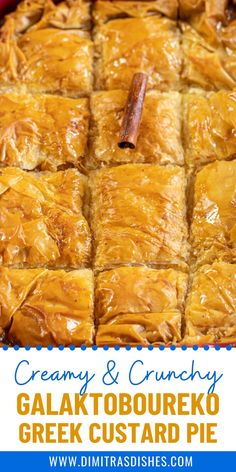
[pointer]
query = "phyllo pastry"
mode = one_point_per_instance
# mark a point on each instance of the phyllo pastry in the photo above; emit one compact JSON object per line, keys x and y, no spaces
{"x":128,"y":45}
{"x":39,"y":306}
{"x":211,"y":305}
{"x":57,"y":14}
{"x":209,"y":53}
{"x":41,"y":219}
{"x":190,"y":7}
{"x":138,"y":215}
{"x":138,"y":305}
{"x":214,"y":9}
{"x":46,"y":60}
{"x":105,"y":10}
{"x":159,"y":138}
{"x":44,"y":132}
{"x":209,"y":127}
{"x":213,"y":229}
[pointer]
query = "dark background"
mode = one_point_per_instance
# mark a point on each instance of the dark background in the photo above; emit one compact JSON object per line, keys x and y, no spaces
{"x":7,"y":5}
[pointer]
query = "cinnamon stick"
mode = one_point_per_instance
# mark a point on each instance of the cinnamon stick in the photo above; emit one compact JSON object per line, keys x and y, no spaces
{"x":133,"y":112}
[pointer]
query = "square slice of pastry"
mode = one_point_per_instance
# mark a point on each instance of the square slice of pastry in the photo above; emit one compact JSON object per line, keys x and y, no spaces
{"x":66,"y":14}
{"x":211,"y":305}
{"x":48,"y":60}
{"x":208,"y":61}
{"x":138,"y":215}
{"x":159,"y":138}
{"x":130,"y":45}
{"x":39,"y":306}
{"x":209,"y":127}
{"x":105,"y":10}
{"x":138,"y":305}
{"x":44,"y":132}
{"x":213,"y":229}
{"x":41,"y":219}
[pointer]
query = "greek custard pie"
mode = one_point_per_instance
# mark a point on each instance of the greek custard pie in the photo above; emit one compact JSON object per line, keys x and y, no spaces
{"x":209,"y":127}
{"x":105,"y":10}
{"x":138,"y":216}
{"x":138,"y":305}
{"x":159,"y":140}
{"x":189,"y":7}
{"x":215,"y":9}
{"x":128,"y":45}
{"x":41,"y":219}
{"x":211,"y":305}
{"x":118,"y":191}
{"x":39,"y":14}
{"x":44,"y":132}
{"x":213,"y":229}
{"x":209,"y":47}
{"x":46,"y":60}
{"x":39,"y":306}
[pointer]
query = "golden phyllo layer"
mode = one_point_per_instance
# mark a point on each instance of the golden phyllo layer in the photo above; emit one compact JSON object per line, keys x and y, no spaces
{"x":66,"y":14}
{"x":213,"y":229}
{"x":211,"y":305}
{"x":139,"y":305}
{"x":40,"y":306}
{"x":208,"y":43}
{"x":165,"y":267}
{"x":44,"y":132}
{"x":138,"y":215}
{"x":129,"y":45}
{"x":209,"y":127}
{"x":190,"y":7}
{"x":159,"y":140}
{"x":41,"y":219}
{"x":105,"y":10}
{"x":46,"y":60}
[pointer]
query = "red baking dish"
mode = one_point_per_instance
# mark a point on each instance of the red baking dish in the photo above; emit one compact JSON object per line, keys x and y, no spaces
{"x":7,"y":5}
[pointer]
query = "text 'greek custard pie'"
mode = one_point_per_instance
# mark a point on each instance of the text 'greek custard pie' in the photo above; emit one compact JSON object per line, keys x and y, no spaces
{"x":40,"y":306}
{"x":43,"y":131}
{"x":138,"y":305}
{"x":211,"y":305}
{"x":41,"y":219}
{"x":213,"y":229}
{"x":138,"y":215}
{"x":159,"y":140}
